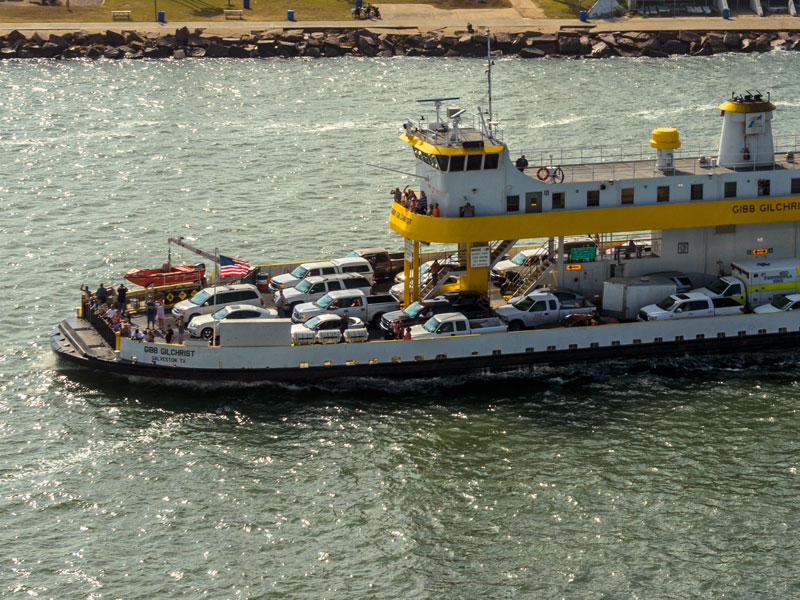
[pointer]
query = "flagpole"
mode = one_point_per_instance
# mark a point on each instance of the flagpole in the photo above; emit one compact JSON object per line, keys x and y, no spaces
{"x":216,"y":273}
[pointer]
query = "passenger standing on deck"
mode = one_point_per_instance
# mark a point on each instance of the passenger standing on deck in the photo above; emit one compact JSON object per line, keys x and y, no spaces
{"x":101,"y":294}
{"x":122,"y":298}
{"x":179,"y":324}
{"x":280,"y":303}
{"x":436,"y":210}
{"x":150,"y":312}
{"x":407,"y":335}
{"x":522,"y":163}
{"x":169,"y":335}
{"x":397,"y":330}
{"x":423,"y":202}
{"x":160,"y":314}
{"x":343,"y":326}
{"x":397,"y":194}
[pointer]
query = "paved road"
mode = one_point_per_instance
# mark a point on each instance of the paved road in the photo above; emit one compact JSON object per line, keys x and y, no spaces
{"x":524,"y":15}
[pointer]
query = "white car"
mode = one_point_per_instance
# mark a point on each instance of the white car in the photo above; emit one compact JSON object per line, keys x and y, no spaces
{"x":779,"y":304}
{"x":205,"y":326}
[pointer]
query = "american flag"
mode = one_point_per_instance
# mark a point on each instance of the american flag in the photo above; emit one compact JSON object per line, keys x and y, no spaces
{"x":230,"y":267}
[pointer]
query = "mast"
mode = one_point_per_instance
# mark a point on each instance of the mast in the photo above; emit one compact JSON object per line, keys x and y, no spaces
{"x":489,"y":76}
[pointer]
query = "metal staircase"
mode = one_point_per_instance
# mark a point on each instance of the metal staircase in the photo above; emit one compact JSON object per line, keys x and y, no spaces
{"x":529,"y":278}
{"x":429,"y":289}
{"x":499,"y":251}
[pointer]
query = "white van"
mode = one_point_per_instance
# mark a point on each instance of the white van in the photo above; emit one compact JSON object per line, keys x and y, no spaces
{"x":211,"y":299}
{"x":351,"y":264}
{"x":756,"y":282}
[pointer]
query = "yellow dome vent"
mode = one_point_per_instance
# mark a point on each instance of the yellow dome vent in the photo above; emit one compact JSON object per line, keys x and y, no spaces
{"x":665,"y":138}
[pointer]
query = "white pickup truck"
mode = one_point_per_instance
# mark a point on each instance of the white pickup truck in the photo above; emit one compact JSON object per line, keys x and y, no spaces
{"x":447,"y":324}
{"x":689,"y":305}
{"x":353,"y":303}
{"x":539,"y":309}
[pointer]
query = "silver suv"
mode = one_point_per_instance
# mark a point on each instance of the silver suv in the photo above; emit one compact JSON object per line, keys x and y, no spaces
{"x":210,"y":299}
{"x":314,"y":288}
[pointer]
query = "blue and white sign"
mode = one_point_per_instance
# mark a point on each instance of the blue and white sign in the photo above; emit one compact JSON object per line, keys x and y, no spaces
{"x":754,"y":123}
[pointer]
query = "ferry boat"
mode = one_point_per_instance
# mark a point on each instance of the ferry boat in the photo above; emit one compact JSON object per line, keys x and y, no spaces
{"x":731,"y":212}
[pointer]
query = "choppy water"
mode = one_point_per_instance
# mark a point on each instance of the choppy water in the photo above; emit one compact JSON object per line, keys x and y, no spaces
{"x":641,"y":480}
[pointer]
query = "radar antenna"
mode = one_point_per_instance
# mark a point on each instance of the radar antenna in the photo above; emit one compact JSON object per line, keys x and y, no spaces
{"x":438,"y":104}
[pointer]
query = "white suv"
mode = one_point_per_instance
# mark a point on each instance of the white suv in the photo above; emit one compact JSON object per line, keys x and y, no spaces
{"x":314,"y":288}
{"x":211,"y":299}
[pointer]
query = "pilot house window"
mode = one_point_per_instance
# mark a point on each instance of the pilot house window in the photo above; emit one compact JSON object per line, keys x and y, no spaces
{"x":457,"y":163}
{"x":491,"y":161}
{"x":474,"y":162}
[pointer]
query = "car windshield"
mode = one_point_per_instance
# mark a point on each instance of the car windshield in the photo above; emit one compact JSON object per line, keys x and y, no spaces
{"x":199,"y":298}
{"x":299,"y":272}
{"x":221,"y":313}
{"x":325,"y":301}
{"x":353,"y":254}
{"x":523,"y":303}
{"x":667,"y":303}
{"x":718,"y":286}
{"x":519,"y":259}
{"x":431,"y":325}
{"x":312,"y":323}
{"x":781,"y":302}
{"x":412,"y":310}
{"x":303,"y":286}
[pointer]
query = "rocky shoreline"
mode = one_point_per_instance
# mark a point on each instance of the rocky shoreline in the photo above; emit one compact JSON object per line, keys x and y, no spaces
{"x":291,"y":43}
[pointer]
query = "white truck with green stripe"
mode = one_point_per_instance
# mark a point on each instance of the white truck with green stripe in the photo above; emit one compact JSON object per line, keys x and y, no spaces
{"x":756,"y":282}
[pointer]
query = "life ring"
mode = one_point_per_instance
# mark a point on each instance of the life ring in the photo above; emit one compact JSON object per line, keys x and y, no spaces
{"x":542,"y":174}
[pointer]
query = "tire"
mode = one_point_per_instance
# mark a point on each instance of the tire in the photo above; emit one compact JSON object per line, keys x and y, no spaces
{"x":192,"y":316}
{"x":515,"y":325}
{"x":207,"y":333}
{"x":376,"y":321}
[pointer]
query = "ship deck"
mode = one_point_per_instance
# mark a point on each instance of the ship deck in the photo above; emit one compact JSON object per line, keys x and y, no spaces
{"x":636,"y":169}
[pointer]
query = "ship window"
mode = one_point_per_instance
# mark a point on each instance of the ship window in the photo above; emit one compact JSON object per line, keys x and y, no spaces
{"x":697,"y":191}
{"x":474,"y":162}
{"x":429,"y":159}
{"x":443,"y":162}
{"x":763,"y":187}
{"x":512,"y":203}
{"x":730,"y":189}
{"x":627,"y":195}
{"x":593,"y":198}
{"x":491,"y":161}
{"x":558,"y":200}
{"x":457,"y":163}
{"x":662,"y":194}
{"x":796,"y":186}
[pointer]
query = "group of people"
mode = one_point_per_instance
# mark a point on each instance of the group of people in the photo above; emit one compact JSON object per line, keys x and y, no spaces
{"x":111,"y":306}
{"x":417,"y":204}
{"x":400,"y":332}
{"x":366,"y":12}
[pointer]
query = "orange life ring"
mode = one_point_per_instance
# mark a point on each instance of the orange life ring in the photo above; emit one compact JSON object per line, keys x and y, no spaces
{"x":542,"y":174}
